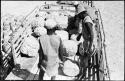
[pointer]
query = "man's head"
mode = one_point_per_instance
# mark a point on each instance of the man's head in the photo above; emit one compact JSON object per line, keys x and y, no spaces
{"x":50,"y":24}
{"x":80,"y":11}
{"x":80,"y":8}
{"x":76,"y":2}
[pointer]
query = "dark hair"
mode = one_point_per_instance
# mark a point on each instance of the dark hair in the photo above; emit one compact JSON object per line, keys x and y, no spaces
{"x":82,"y":14}
{"x":51,"y":31}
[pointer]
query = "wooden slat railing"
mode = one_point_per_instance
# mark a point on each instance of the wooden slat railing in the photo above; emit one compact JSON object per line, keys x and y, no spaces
{"x":17,"y":39}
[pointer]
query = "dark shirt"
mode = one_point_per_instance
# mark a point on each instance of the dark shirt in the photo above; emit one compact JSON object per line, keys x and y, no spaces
{"x":87,"y":29}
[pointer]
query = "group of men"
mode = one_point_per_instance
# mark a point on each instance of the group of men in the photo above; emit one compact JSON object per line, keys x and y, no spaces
{"x":51,"y":44}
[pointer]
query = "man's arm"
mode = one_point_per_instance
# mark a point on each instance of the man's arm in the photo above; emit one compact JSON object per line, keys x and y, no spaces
{"x":89,"y":25}
{"x":61,"y":51}
{"x":41,"y":54}
{"x":90,"y":30}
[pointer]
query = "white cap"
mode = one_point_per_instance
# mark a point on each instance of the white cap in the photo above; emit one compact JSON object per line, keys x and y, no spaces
{"x":50,"y":23}
{"x":76,"y":2}
{"x":80,"y":8}
{"x":40,"y":31}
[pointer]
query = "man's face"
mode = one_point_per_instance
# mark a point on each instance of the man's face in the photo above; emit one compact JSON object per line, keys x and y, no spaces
{"x":78,"y":24}
{"x":77,"y":21}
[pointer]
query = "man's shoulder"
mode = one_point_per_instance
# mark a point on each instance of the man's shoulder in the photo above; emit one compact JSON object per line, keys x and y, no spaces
{"x":43,"y":37}
{"x":88,"y":19}
{"x":55,"y":36}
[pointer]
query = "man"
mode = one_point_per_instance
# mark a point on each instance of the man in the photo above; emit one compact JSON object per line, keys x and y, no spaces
{"x":50,"y":52}
{"x":84,"y":29}
{"x":84,"y":24}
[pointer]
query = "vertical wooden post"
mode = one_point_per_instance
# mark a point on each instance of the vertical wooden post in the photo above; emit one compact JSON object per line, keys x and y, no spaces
{"x":100,"y":63}
{"x":97,"y":68}
{"x":13,"y":50}
{"x":89,"y":69}
{"x":93,"y":70}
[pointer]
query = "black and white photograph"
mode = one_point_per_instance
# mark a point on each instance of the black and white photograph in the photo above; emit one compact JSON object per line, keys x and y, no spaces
{"x":62,"y":40}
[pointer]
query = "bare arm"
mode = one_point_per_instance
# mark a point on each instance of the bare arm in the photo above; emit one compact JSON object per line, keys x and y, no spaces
{"x":61,"y":51}
{"x":41,"y":55}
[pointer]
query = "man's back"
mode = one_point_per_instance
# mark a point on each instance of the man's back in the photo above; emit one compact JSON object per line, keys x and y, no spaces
{"x":50,"y":47}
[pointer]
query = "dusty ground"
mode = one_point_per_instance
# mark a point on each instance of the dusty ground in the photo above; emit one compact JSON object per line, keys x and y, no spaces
{"x":113,"y":19}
